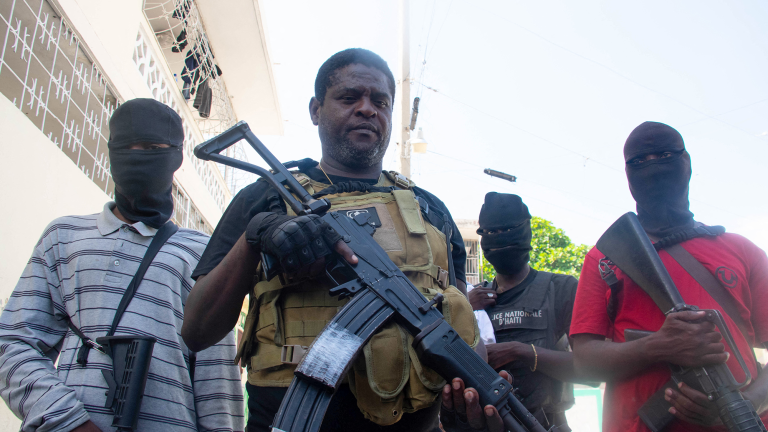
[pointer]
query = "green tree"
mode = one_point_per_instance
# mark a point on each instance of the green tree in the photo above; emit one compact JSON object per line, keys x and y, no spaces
{"x":552,"y":251}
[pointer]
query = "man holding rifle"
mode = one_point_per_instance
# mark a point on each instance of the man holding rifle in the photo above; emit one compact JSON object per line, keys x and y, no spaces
{"x":388,"y":388}
{"x":51,"y":370}
{"x":658,"y":169}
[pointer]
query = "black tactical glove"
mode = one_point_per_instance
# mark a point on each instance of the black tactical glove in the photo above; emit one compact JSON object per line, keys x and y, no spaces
{"x":295,"y":241}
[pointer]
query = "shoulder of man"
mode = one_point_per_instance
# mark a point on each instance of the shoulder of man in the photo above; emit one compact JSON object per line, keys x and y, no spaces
{"x":191,"y":242}
{"x":66,"y":226}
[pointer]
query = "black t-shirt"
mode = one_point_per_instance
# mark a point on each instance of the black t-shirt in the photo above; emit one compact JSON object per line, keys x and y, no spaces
{"x":565,"y":294}
{"x":254,"y":199}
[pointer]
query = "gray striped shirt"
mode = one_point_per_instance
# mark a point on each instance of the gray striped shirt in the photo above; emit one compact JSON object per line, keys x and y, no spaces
{"x":80,"y":268}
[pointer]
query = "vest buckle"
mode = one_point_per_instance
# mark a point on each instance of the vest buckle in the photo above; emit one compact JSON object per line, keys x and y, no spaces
{"x":442,"y":278}
{"x":401,"y":181}
{"x":292,"y":354}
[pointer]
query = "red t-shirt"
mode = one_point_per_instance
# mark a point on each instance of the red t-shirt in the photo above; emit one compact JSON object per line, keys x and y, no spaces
{"x":743,"y":268}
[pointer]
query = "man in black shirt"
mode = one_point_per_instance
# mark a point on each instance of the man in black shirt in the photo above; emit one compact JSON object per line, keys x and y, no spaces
{"x":530,"y":311}
{"x":352,"y":107}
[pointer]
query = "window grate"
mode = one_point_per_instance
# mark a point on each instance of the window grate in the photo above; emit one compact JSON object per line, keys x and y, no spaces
{"x":47,"y":74}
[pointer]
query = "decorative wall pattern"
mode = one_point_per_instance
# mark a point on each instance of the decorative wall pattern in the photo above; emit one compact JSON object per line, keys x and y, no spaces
{"x":46,"y":72}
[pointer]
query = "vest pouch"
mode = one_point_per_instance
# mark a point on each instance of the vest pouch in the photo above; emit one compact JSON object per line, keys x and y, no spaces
{"x":379,"y":376}
{"x":268,"y":333}
{"x":245,"y":347}
{"x":455,"y":307}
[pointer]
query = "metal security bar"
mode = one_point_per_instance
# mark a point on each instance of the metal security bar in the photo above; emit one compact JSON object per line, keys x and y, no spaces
{"x":46,"y":72}
{"x":185,"y":213}
{"x":473,"y":262}
{"x":180,"y":33}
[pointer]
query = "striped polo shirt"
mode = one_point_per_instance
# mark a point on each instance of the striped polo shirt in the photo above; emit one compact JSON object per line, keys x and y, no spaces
{"x":80,"y":269}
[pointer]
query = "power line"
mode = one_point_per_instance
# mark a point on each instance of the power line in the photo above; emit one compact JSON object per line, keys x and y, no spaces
{"x":499,"y":16}
{"x":727,"y":112}
{"x":523,"y":130}
{"x":441,"y":29}
{"x":532,"y":182}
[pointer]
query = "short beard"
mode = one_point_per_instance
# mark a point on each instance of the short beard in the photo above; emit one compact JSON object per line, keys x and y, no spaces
{"x":346,"y":153}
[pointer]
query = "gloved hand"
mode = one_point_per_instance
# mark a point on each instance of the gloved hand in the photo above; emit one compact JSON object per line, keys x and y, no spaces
{"x":295,"y":241}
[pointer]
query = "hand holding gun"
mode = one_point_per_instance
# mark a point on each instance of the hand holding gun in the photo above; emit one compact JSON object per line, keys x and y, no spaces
{"x":628,"y":247}
{"x":378,"y":291}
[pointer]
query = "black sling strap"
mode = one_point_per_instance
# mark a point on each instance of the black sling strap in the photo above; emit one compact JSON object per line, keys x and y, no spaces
{"x":707,"y":281}
{"x":161,"y":236}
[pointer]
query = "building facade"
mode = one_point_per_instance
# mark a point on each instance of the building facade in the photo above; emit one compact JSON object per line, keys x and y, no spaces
{"x":65,"y":65}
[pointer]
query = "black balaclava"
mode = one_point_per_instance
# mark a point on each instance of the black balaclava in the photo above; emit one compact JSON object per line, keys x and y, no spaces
{"x":659,"y":186}
{"x":143,"y":178}
{"x":505,"y":227}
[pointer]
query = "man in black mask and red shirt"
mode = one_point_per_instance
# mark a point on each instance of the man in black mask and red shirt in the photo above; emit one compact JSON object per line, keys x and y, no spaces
{"x":658,"y":168}
{"x":530,"y":311}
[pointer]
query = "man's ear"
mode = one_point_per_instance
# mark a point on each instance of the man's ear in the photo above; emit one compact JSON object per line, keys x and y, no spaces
{"x":314,"y":107}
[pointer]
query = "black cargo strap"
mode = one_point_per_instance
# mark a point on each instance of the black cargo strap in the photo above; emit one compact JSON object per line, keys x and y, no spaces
{"x":352,"y":186}
{"x":607,"y":274}
{"x":161,"y":236}
{"x":699,"y":231}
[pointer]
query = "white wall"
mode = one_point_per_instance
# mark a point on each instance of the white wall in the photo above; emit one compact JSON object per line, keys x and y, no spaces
{"x":38,"y":183}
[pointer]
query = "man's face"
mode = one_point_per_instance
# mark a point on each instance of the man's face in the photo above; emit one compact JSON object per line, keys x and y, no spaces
{"x":355,"y":120}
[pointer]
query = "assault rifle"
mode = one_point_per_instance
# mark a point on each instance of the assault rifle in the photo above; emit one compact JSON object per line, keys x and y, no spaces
{"x":378,"y":291}
{"x":628,"y":247}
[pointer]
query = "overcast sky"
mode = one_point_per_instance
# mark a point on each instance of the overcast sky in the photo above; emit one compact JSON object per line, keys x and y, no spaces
{"x":549,"y":91}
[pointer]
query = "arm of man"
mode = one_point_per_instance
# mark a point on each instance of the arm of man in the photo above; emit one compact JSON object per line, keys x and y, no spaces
{"x":32,"y":328}
{"x":557,"y":364}
{"x":679,"y":340}
{"x":213,"y":306}
{"x":227,"y":268}
{"x":218,"y":391}
{"x":693,"y":406}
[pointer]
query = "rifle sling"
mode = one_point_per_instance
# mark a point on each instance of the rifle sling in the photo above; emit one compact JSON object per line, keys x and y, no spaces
{"x":707,"y":281}
{"x":161,"y":236}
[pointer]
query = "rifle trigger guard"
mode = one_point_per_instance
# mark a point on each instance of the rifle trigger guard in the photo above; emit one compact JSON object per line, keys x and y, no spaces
{"x":436,"y":300}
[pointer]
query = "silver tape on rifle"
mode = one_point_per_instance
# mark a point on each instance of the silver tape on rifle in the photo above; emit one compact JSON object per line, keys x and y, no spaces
{"x":330,"y":354}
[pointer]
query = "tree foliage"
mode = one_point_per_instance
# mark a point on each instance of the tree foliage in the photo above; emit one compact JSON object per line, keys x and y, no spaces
{"x":552,"y":251}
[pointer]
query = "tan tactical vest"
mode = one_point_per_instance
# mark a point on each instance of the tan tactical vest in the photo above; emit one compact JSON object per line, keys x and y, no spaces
{"x":388,"y":378}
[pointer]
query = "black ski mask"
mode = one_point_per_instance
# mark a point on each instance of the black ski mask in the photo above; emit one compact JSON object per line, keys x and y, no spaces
{"x":505,"y":227}
{"x":143,"y":178}
{"x":659,"y":186}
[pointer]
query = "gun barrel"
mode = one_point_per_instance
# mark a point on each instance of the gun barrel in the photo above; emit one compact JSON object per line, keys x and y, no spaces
{"x":626,"y":244}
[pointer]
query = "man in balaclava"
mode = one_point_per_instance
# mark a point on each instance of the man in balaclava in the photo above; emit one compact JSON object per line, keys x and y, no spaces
{"x":143,"y":159}
{"x":658,"y":169}
{"x":76,"y":278}
{"x":530,"y":311}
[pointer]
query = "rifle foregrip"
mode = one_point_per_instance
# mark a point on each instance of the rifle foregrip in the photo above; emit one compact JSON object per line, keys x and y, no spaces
{"x":738,"y":414}
{"x":443,"y":350}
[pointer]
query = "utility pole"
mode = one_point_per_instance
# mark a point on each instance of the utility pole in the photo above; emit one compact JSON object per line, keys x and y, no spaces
{"x":402,"y":130}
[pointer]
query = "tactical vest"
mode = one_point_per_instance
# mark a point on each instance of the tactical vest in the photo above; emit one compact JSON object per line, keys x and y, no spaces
{"x":531,"y":319}
{"x":388,"y":379}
